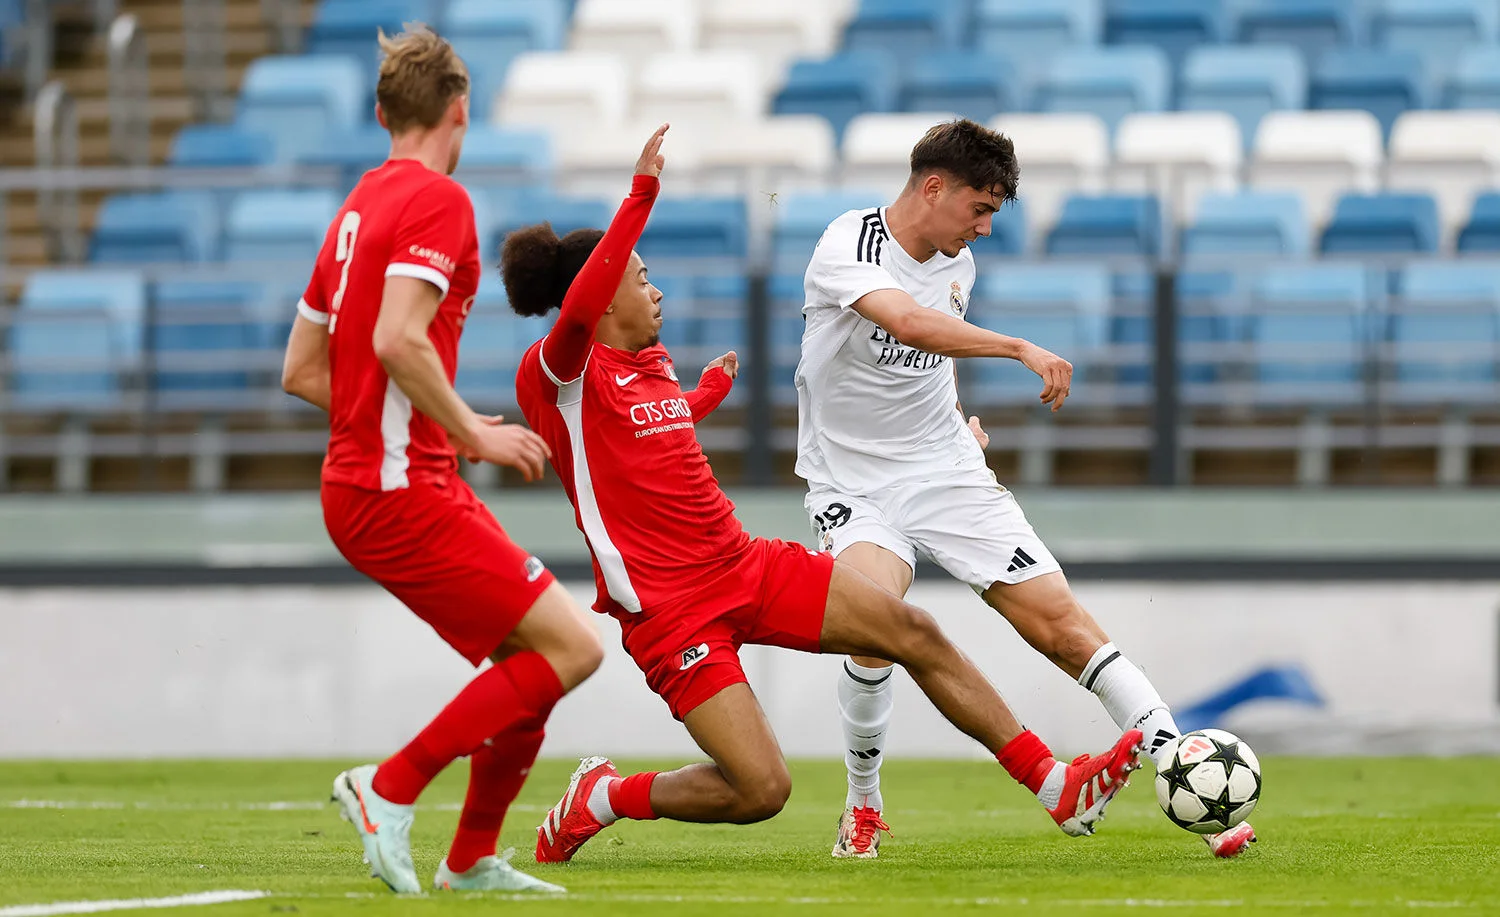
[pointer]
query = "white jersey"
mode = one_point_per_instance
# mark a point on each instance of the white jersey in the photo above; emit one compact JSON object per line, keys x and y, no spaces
{"x":872,"y":411}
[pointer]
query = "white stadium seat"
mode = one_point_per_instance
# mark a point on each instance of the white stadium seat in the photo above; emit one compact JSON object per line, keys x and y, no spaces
{"x":1060,"y":154}
{"x":700,"y":88}
{"x":594,"y":159}
{"x":775,"y":31}
{"x":556,"y":90}
{"x":877,"y":148}
{"x":1452,"y":155}
{"x":1177,"y":156}
{"x":771,"y":155}
{"x":636,"y":29}
{"x":1319,"y":154}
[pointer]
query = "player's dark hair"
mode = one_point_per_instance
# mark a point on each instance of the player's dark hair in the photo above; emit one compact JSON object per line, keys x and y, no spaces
{"x":972,"y":153}
{"x":538,"y":267}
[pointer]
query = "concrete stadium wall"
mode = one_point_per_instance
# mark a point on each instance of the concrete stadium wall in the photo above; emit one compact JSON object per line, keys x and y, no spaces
{"x":345,"y":671}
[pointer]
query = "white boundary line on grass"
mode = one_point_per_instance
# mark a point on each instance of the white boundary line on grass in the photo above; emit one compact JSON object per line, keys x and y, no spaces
{"x":301,"y":805}
{"x":128,"y":904}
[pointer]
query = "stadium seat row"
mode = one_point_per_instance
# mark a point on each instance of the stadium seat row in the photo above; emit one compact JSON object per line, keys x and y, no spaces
{"x":1435,"y":327}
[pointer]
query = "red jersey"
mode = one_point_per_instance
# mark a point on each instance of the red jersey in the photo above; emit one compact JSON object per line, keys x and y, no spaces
{"x":401,"y":220}
{"x":622,"y":438}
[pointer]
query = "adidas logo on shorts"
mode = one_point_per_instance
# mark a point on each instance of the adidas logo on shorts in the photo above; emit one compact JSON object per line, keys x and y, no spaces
{"x":1020,"y":561}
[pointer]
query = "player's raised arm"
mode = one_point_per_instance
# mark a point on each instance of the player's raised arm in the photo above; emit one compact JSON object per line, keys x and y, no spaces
{"x":935,"y":332}
{"x":567,"y":346}
{"x":713,"y":385}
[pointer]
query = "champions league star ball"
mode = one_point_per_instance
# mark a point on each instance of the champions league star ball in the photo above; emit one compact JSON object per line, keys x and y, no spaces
{"x":1208,"y":781}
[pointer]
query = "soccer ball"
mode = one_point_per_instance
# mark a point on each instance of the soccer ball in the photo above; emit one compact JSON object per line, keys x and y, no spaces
{"x":1208,"y":781}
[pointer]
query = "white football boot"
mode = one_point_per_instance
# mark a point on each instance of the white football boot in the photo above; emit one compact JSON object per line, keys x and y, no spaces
{"x":491,"y":874}
{"x":384,"y":828}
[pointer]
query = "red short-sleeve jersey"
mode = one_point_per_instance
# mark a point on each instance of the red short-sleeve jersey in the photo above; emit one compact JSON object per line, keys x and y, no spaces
{"x":624,"y":445}
{"x":401,"y":220}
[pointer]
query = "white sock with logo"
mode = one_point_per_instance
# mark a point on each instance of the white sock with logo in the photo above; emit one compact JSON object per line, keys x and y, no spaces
{"x":598,"y":802}
{"x":865,"y":704}
{"x":1129,"y":698}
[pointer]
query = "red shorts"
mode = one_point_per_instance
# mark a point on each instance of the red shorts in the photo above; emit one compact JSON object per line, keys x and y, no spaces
{"x":688,"y":648}
{"x":439,"y":550}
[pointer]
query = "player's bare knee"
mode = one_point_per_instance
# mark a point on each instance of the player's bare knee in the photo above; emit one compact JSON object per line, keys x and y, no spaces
{"x":764,"y":798}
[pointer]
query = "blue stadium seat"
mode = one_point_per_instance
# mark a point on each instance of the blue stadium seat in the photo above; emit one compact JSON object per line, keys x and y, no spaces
{"x":1384,"y":83}
{"x":279,"y":225}
{"x":695,"y":227}
{"x":12,"y":14}
{"x":1007,"y":232}
{"x":973,"y":84}
{"x":1108,"y":82}
{"x":221,"y":145}
{"x":1482,"y":232}
{"x":1206,"y":314}
{"x":494,"y":339}
{"x":348,"y":26}
{"x":209,"y":337}
{"x":488,"y":147}
{"x":73,"y":335}
{"x":905,"y":27}
{"x":564,"y":213}
{"x":489,"y":35}
{"x":800,"y":220}
{"x":353,"y":151}
{"x":164,"y":226}
{"x":1435,"y":30}
{"x":1308,"y":325}
{"x":1444,"y":328}
{"x":1030,"y":34}
{"x":1107,"y":225}
{"x":787,"y":299}
{"x":1382,"y":223}
{"x":1475,"y":82}
{"x":1064,"y":308}
{"x":1174,"y":26}
{"x":1246,"y":82}
{"x":1311,"y":26}
{"x":838,"y":88}
{"x":296,"y":98}
{"x":1250,"y":223}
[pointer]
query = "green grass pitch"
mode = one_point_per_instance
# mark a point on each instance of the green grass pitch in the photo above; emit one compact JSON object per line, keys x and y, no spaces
{"x":1338,"y":836}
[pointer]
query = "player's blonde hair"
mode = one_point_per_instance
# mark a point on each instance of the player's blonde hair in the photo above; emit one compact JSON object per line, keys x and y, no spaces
{"x":420,"y":76}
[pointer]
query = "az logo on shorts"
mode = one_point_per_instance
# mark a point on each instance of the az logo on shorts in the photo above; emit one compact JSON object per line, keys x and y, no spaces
{"x":534,"y":568}
{"x":692,"y":656}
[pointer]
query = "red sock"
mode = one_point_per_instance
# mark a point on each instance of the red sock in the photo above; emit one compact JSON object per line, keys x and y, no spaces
{"x":1027,"y":759}
{"x":631,"y":797}
{"x":496,"y":772}
{"x":514,"y":690}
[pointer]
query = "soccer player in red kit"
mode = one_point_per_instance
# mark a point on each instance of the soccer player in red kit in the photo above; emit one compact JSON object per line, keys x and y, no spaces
{"x":674,"y":566}
{"x":375,"y":344}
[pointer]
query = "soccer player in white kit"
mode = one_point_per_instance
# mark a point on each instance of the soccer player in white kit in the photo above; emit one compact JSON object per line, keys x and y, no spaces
{"x":894,"y":471}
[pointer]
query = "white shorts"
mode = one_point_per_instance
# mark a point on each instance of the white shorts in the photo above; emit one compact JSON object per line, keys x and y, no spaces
{"x":969,"y":525}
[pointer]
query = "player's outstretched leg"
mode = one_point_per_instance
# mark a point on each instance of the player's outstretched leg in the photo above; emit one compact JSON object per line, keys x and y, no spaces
{"x":746,"y":782}
{"x":1046,"y":614}
{"x":863,"y":619}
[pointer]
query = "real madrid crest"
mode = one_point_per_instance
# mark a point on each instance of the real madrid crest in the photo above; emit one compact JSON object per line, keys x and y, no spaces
{"x":956,"y":299}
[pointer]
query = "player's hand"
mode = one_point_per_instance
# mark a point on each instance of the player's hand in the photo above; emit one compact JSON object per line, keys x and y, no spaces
{"x":652,"y":161}
{"x":500,"y":443}
{"x":729,"y":362}
{"x":980,"y":436}
{"x":1056,"y":373}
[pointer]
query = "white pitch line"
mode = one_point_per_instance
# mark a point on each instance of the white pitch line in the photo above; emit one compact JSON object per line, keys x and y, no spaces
{"x":275,"y":806}
{"x":127,"y":904}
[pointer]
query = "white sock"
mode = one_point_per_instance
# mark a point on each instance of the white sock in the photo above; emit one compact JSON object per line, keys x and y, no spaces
{"x":865,"y":705}
{"x":1129,"y":698}
{"x":1051,"y":792}
{"x":599,"y":802}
